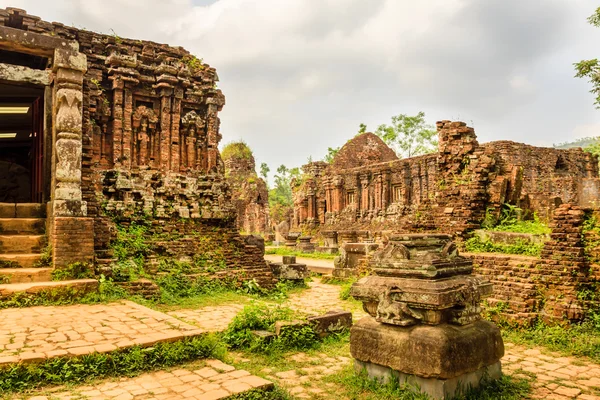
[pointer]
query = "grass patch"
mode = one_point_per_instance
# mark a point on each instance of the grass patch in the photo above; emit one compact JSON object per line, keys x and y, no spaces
{"x":579,"y":340}
{"x":57,"y":371}
{"x":532,"y":227}
{"x":351,"y":385}
{"x":476,"y":245}
{"x":282,"y":251}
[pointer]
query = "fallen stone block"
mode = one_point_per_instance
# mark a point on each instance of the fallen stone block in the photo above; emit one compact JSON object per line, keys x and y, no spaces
{"x":282,"y":327}
{"x":264,"y":335}
{"x":331,"y":322}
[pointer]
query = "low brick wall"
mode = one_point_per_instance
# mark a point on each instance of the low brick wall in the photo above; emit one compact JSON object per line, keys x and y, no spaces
{"x":142,"y":287}
{"x":72,"y":240}
{"x":547,"y":288}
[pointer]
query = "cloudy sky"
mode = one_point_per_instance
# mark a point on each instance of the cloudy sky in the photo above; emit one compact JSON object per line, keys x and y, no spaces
{"x":301,"y":75}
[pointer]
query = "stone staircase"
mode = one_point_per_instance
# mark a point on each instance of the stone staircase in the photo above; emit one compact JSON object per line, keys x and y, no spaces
{"x":22,"y":241}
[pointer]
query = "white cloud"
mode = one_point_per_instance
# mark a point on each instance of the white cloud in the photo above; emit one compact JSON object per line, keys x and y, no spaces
{"x":300,"y":75}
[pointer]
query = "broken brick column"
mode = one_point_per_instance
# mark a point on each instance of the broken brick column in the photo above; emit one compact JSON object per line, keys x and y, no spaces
{"x":71,"y":232}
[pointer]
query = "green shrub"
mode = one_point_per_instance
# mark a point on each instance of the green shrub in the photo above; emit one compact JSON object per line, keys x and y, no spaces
{"x":476,"y":245}
{"x":77,"y":270}
{"x":177,"y":285}
{"x":73,"y":370}
{"x":262,"y":318}
{"x":130,"y":242}
{"x":260,"y":394}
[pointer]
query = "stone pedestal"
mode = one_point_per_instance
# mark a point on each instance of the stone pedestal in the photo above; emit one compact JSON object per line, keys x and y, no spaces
{"x":425,"y":326}
{"x":330,"y":245}
{"x":288,"y":269}
{"x":304,"y":244}
{"x":291,"y":240}
{"x":353,"y":259}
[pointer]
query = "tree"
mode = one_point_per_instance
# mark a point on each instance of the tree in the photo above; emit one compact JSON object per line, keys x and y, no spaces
{"x":408,"y":135}
{"x":331,"y":152}
{"x":590,"y":68}
{"x":280,"y":197}
{"x":264,"y":172}
{"x":362,"y":128}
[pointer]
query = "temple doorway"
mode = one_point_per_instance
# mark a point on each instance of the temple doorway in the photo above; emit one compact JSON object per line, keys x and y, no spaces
{"x":22,"y":172}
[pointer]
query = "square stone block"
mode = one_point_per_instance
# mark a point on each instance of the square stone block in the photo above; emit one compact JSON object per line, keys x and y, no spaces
{"x":441,"y":351}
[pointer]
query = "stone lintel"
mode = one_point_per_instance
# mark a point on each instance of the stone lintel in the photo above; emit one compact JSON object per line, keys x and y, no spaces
{"x":442,"y":351}
{"x":437,"y":389}
{"x":18,"y":73}
{"x":34,"y":43}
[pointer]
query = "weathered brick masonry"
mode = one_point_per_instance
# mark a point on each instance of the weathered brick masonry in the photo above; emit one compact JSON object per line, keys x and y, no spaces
{"x":138,"y":134}
{"x":550,"y":287}
{"x":367,"y":188}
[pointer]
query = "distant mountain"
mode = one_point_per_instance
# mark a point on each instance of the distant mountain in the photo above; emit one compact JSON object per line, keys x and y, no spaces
{"x":583,"y":143}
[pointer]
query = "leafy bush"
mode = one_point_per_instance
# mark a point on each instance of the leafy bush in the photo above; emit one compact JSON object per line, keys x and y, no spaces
{"x":126,"y":270}
{"x":260,"y":394}
{"x":260,"y":317}
{"x":511,"y":220}
{"x":77,"y":270}
{"x":177,"y":285}
{"x":130,"y":242}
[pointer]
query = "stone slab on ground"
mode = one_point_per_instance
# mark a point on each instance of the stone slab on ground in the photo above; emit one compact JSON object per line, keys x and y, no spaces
{"x":38,"y":333}
{"x":214,"y":381}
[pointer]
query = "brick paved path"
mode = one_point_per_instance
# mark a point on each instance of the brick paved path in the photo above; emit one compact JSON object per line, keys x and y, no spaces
{"x":37,"y":333}
{"x":214,"y":381}
{"x":553,"y":377}
{"x":210,"y":319}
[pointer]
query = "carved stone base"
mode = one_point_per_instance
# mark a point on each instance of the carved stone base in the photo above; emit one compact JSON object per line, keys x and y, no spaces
{"x":295,"y":272}
{"x":344,"y":272}
{"x":441,"y":351}
{"x":433,"y":387}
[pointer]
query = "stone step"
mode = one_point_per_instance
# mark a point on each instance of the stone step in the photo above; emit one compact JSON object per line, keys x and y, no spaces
{"x":25,"y":275}
{"x":18,"y":260}
{"x":22,"y":210}
{"x":19,"y":226}
{"x":21,"y":244}
{"x":10,"y":289}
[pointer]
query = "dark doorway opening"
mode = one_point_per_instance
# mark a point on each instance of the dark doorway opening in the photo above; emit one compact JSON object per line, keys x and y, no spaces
{"x":21,"y":144}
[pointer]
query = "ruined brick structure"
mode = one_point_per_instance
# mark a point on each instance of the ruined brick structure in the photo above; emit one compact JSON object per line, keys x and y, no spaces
{"x":131,"y":134}
{"x":249,"y":192}
{"x":552,"y":287}
{"x":367,"y":188}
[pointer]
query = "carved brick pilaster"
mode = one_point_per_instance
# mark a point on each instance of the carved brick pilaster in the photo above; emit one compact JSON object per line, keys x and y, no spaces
{"x":69,"y":68}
